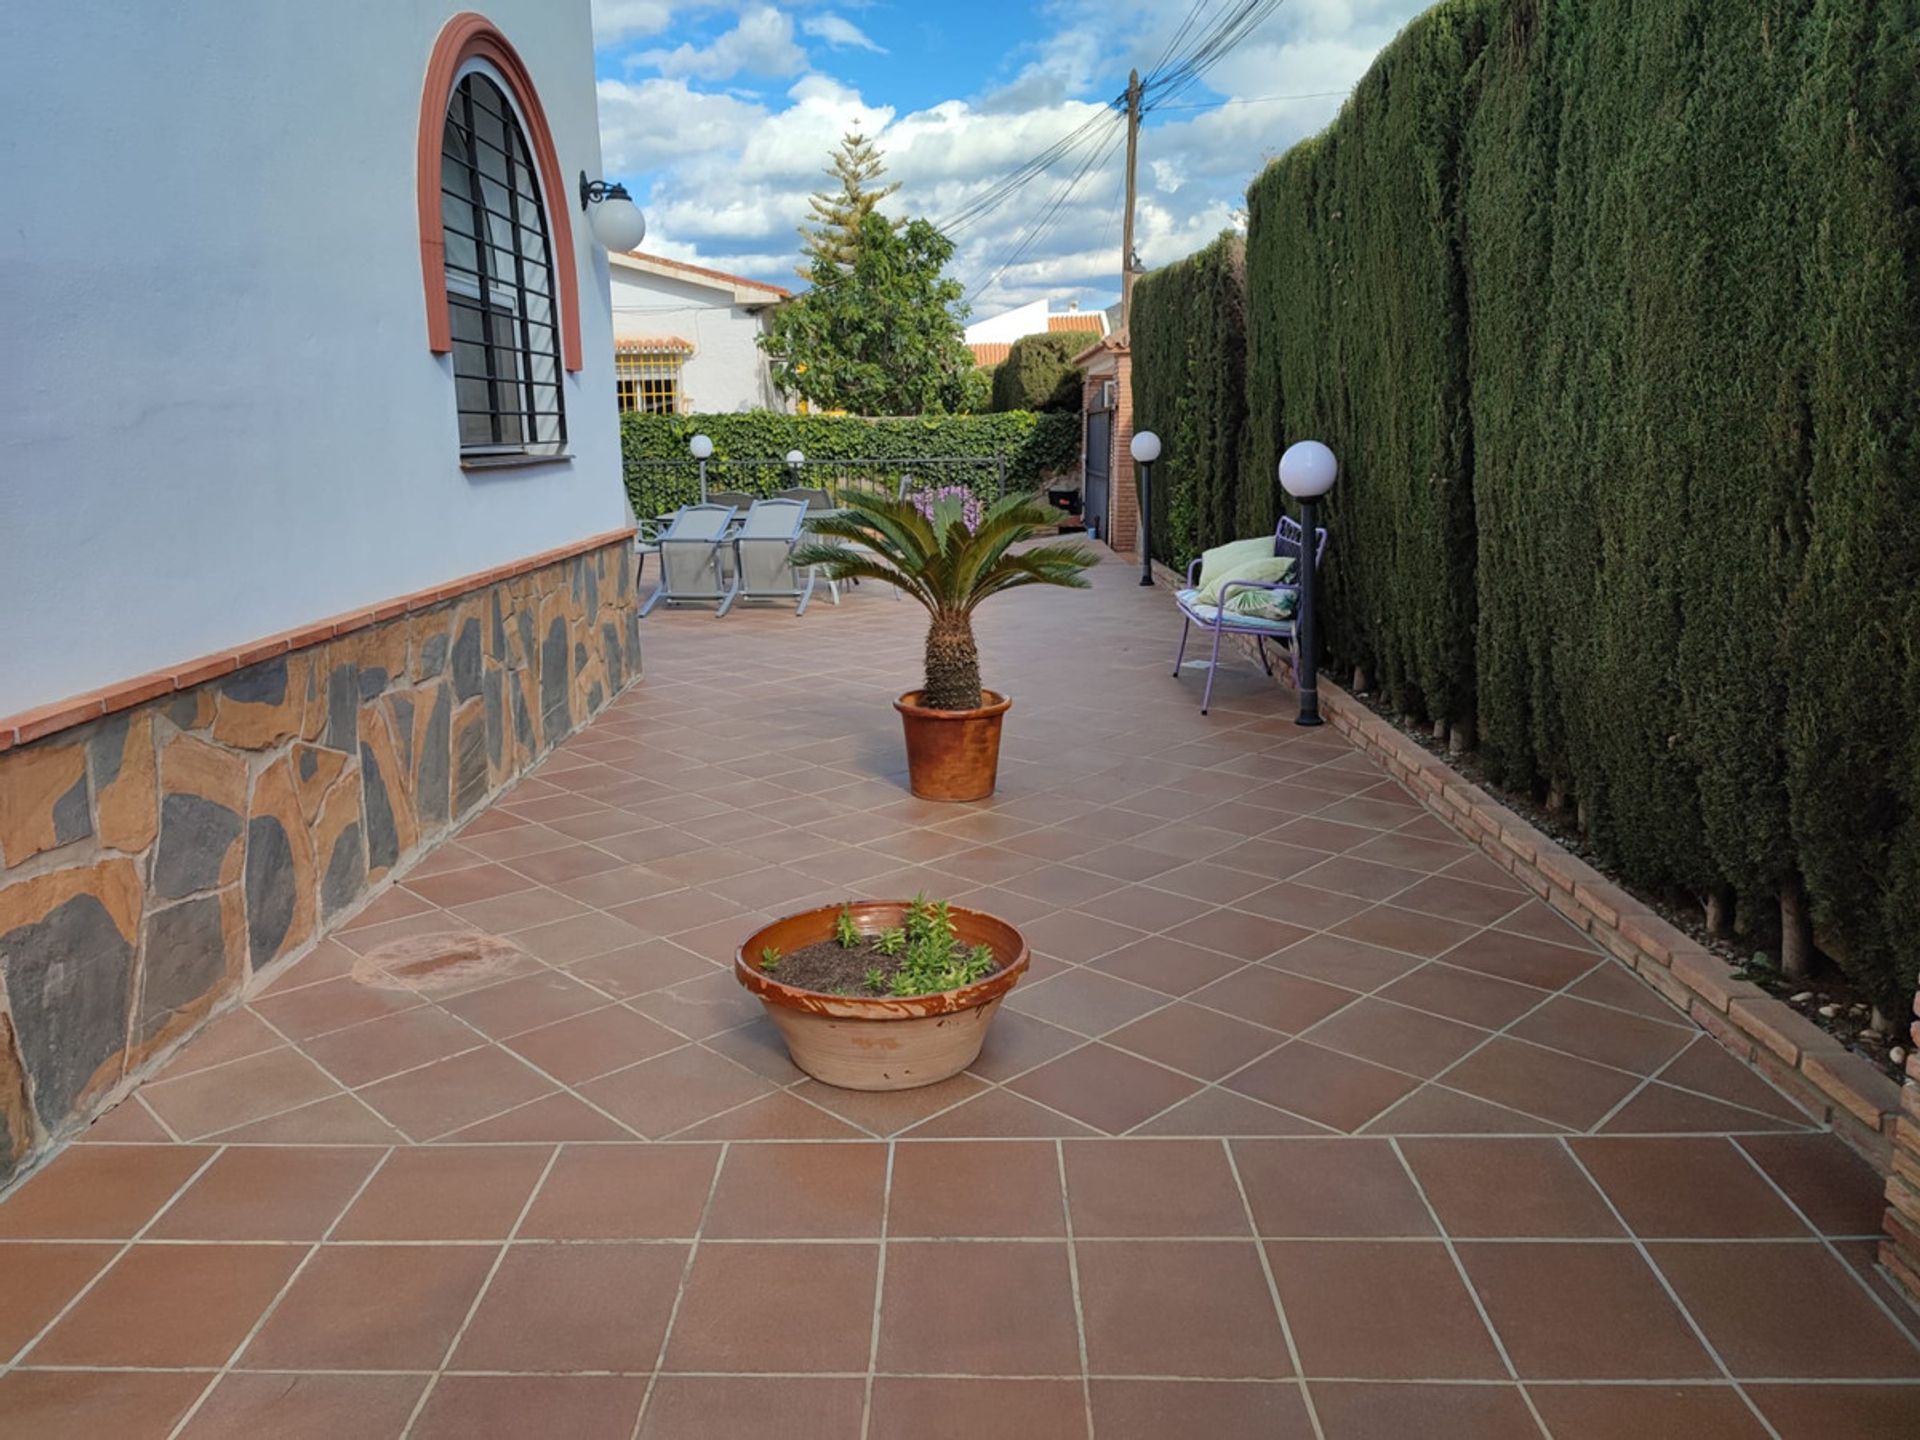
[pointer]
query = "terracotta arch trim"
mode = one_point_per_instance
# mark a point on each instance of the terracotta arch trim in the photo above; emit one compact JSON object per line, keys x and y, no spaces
{"x":465,"y":37}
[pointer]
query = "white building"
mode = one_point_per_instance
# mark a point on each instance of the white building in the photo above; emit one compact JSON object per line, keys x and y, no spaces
{"x":685,"y":337}
{"x":991,"y":338}
{"x":313,"y":536}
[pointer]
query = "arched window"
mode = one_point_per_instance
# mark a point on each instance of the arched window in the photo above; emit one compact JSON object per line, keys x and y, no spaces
{"x":503,"y":307}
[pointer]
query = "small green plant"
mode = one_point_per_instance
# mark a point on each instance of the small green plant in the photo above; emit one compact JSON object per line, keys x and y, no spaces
{"x":891,"y":942}
{"x":876,"y":980}
{"x":932,"y":958}
{"x":770,"y":958}
{"x":845,"y":931}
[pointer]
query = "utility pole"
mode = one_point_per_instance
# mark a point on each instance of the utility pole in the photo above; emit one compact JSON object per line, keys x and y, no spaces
{"x":1126,"y":224}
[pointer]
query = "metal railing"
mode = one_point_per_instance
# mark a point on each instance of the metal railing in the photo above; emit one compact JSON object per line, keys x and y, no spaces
{"x":658,"y":487}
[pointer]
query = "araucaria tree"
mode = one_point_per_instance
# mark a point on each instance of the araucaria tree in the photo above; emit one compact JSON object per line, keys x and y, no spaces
{"x":880,"y":336}
{"x":834,"y":234}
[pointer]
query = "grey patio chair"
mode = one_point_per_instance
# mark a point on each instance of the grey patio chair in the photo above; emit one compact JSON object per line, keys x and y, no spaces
{"x":1224,"y":619}
{"x":764,"y":547}
{"x":738,"y":499}
{"x":690,"y":558}
{"x":646,"y":541}
{"x":816,"y":500}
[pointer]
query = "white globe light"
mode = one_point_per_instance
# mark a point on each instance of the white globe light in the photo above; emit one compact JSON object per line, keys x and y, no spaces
{"x":1146,"y":447}
{"x":618,"y":223}
{"x":1308,"y":470}
{"x":794,"y":457}
{"x":701,"y":447}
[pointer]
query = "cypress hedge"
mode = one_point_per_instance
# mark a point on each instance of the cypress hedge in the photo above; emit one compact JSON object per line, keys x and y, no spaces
{"x":1189,"y":346}
{"x":1612,"y":312}
{"x":1039,"y":373}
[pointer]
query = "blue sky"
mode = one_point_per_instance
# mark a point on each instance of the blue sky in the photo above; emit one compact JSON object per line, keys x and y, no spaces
{"x":719,"y":115}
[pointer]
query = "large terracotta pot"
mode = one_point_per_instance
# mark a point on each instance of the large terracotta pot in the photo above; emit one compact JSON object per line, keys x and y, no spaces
{"x":880,"y":1043}
{"x":952,"y":754}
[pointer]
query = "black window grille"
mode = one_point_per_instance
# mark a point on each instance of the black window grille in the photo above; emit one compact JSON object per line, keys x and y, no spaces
{"x":500,"y":286}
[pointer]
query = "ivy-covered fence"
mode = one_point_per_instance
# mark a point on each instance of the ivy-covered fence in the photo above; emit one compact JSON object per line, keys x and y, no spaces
{"x":1012,"y":451}
{"x":1612,"y":312}
{"x":1189,"y":339}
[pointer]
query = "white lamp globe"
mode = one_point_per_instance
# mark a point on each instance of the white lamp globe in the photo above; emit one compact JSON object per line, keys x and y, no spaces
{"x":700,"y":447}
{"x":1308,"y":470}
{"x":1146,"y":447}
{"x":794,"y":457}
{"x":618,"y":223}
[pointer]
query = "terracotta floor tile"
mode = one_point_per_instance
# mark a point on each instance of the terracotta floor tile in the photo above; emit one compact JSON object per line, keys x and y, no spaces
{"x":1556,"y":1087}
{"x":799,"y":1191}
{"x":446,"y":1192}
{"x":1814,"y":1412}
{"x":1128,"y":862}
{"x":1435,"y":1110}
{"x":170,"y":1306}
{"x":268,"y":1192}
{"x":1662,"y":1110}
{"x":1188,"y":1309}
{"x":128,"y":1122}
{"x":997,"y":1114}
{"x":593,"y":1043}
{"x":1233,"y":1410}
{"x":1615,"y":985}
{"x":1347,"y":876}
{"x":1837,"y":1190}
{"x":372,"y":1307}
{"x":509,"y":1407}
{"x":393,"y":904}
{"x":1431,"y":1412}
{"x":331,"y":1005}
{"x":1338,"y":960}
{"x":1329,"y":1088}
{"x":526,"y":1003}
{"x":1753,"y":1300}
{"x":1509,"y":1188}
{"x":915,"y":1409}
{"x":578,"y":937}
{"x":83,"y":1405}
{"x":1521,"y":959}
{"x":1596,"y":1032}
{"x":617,"y":887}
{"x":340,"y":1119}
{"x":635,"y":969}
{"x":1331,"y":1188}
{"x":1215,"y":883}
{"x":236,"y":1094}
{"x":1215,"y":1112}
{"x":1412,"y":931}
{"x":1274,"y":998}
{"x":1307,"y":906}
{"x":673,"y":1091}
{"x":40,"y":1280}
{"x":307,"y":1407}
{"x":485,"y":881}
{"x":1621,"y":1412}
{"x":98,"y":1192}
{"x":1707,"y":1069}
{"x":622,"y":1192}
{"x":1085,"y":1001}
{"x":1017,"y":1042}
{"x":1583,"y":1312}
{"x":235,"y":1035}
{"x":976,"y":1188}
{"x":1396,"y":1036}
{"x":1146,"y":909}
{"x":1687,"y":1189}
{"x":776,"y":1308}
{"x":1164,"y":1189}
{"x":944,"y":1309}
{"x":1335,"y":1293}
{"x":1104,"y":1088}
{"x":1239,"y":934}
{"x":521,"y":910}
{"x":700,"y":1007}
{"x":452,"y":1094}
{"x":1463,"y":995}
{"x":1456,"y":899}
{"x":1166,"y":965}
{"x":379,"y":1048}
{"x":1194,"y":1040}
{"x":1539,"y":920}
{"x":681,"y":910}
{"x":574,"y":1307}
{"x":701,"y":1407}
{"x":567,"y":862}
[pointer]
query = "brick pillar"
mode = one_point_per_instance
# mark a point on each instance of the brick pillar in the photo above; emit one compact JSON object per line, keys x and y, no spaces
{"x":1124,"y":504}
{"x":1900,"y":1250}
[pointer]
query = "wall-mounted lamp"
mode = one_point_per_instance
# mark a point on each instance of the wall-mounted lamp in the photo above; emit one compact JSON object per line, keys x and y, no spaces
{"x":616,"y":220}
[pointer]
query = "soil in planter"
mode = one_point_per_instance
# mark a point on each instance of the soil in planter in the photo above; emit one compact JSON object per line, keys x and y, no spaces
{"x":830,"y":968}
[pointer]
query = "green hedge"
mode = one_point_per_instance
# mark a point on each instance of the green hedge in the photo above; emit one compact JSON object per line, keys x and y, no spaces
{"x":1189,"y":342}
{"x":1039,"y":373}
{"x":1014,"y":451}
{"x":1612,"y":312}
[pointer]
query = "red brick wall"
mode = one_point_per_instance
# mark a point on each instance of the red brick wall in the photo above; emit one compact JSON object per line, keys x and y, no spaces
{"x":1125,"y":504}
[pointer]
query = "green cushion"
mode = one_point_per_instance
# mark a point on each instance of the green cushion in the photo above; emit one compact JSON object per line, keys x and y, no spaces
{"x":1262,"y":604}
{"x":1221,"y":559}
{"x":1267,"y":569}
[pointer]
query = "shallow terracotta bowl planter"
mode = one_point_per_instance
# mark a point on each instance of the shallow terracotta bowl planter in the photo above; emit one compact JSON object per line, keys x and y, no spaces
{"x":953,"y":754}
{"x":861,"y":1042}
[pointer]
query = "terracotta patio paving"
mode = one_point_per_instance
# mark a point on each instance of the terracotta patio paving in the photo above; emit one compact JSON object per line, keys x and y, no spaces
{"x":1307,"y":1122}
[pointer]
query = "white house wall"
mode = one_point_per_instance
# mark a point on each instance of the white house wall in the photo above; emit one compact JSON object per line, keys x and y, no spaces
{"x":219,"y":417}
{"x":727,"y":371}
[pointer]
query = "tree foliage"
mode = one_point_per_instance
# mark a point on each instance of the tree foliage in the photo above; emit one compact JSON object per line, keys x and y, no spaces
{"x":838,"y":215}
{"x":1039,"y":373}
{"x":881,"y":336}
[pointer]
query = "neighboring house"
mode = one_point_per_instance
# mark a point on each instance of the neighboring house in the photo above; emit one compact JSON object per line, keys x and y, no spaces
{"x":315,"y":538}
{"x":992,"y":338}
{"x":685,"y":337}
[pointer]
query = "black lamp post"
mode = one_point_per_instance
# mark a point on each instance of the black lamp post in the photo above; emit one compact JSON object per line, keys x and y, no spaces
{"x":1307,"y":471}
{"x":1146,"y":450}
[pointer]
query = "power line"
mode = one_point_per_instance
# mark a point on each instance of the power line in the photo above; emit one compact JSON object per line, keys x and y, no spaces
{"x":1254,"y":100}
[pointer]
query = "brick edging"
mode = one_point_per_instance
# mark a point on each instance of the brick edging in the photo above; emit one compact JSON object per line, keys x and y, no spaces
{"x":1862,"y":1104}
{"x":46,"y":720}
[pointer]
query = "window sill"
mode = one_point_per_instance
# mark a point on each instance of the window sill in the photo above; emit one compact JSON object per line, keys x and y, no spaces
{"x":513,"y":460}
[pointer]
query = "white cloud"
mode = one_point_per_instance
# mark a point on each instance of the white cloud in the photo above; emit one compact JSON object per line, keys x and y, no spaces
{"x":839,"y":32}
{"x":761,"y":44}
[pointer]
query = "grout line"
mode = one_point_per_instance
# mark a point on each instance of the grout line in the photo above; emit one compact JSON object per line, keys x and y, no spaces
{"x":1273,"y":1292}
{"x":1073,"y":1282}
{"x":680,"y":1291}
{"x":879,"y":1293}
{"x":253,"y":1332}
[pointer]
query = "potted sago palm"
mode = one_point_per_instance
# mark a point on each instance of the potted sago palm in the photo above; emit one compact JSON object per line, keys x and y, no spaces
{"x":945,"y":550}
